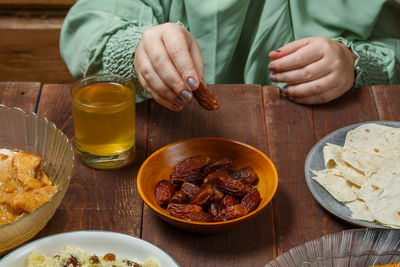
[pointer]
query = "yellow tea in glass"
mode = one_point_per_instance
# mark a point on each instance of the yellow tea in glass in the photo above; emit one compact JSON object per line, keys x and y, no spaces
{"x":103,"y":108}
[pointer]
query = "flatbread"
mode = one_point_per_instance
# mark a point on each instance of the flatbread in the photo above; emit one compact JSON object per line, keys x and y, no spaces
{"x":337,"y":186}
{"x":360,"y":211}
{"x":381,"y":194}
{"x":364,"y":174}
{"x":370,"y":146}
{"x":334,"y":162}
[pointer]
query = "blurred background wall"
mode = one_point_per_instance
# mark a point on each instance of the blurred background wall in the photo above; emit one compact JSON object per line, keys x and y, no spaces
{"x":29,"y":40}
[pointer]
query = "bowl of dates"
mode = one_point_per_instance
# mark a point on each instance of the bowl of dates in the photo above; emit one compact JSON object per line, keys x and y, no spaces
{"x":207,"y":184}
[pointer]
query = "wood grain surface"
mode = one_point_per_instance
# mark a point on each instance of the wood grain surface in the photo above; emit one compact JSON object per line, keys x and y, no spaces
{"x":292,"y":131}
{"x":96,"y":199}
{"x":387,"y":100}
{"x":285,"y":131}
{"x":240,"y":117}
{"x":36,"y":3}
{"x":19,"y":94}
{"x":29,"y":50}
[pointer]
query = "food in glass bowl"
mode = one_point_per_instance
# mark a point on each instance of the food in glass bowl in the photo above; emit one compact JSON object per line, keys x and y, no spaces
{"x":24,"y":186}
{"x":74,"y":257}
{"x":33,"y":134}
{"x":202,"y":191}
{"x":394,"y":264}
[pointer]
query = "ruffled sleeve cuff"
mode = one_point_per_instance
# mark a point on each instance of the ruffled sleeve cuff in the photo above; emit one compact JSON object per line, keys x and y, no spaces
{"x":118,"y":56}
{"x":374,"y":64}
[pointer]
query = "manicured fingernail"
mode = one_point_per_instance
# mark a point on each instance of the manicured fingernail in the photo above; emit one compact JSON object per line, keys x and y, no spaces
{"x":179,"y":100}
{"x":272,"y":77}
{"x":186,"y":94}
{"x":285,"y":90}
{"x":271,"y":67}
{"x":191,"y":83}
{"x":177,"y":107}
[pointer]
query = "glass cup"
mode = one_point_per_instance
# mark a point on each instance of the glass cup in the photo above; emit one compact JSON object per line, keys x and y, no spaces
{"x":103,"y":109}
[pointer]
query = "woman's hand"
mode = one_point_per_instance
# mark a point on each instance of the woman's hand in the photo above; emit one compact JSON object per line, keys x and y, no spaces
{"x":316,"y":69}
{"x":169,"y":64}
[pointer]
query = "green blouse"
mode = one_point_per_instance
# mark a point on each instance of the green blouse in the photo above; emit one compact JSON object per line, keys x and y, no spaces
{"x":235,"y":36}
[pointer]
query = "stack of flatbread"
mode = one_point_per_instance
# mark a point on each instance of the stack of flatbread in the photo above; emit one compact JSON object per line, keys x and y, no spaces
{"x":364,"y":174}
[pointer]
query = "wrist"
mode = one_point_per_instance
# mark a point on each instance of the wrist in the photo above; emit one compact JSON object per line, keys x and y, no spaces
{"x":349,"y":53}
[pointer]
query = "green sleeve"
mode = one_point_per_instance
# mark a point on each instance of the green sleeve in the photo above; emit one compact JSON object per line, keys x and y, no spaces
{"x":378,"y":49}
{"x":377,"y":61}
{"x":100,"y":36}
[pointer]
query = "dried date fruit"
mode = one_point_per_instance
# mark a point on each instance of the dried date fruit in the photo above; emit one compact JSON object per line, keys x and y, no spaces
{"x":131,"y":263}
{"x":216,"y":196}
{"x":250,"y":188}
{"x":231,"y":186}
{"x":251,"y":200}
{"x":72,"y":261}
{"x":196,"y":190}
{"x":195,"y":163}
{"x":109,"y":257}
{"x":212,"y":178}
{"x":245,"y":175}
{"x":190,"y":189}
{"x":202,"y":196}
{"x":180,"y":210}
{"x":179,"y":197}
{"x":214,"y":209}
{"x":228,"y":201}
{"x":179,"y":177}
{"x":231,"y":213}
{"x":199,"y":216}
{"x":163,"y":192}
{"x":224,"y":163}
{"x":205,"y":98}
{"x":94,"y":259}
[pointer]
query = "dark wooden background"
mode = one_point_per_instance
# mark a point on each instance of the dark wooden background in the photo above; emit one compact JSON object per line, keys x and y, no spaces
{"x":109,"y":200}
{"x":29,"y":40}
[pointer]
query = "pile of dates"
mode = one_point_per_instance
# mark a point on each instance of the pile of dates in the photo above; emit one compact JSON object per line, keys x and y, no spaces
{"x":208,"y":192}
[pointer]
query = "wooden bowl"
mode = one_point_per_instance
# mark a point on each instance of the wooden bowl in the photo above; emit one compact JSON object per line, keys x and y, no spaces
{"x":161,"y":164}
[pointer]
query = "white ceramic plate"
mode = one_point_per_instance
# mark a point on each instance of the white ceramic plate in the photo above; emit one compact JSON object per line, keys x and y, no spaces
{"x":315,"y":161}
{"x":361,"y":247}
{"x":94,"y":242}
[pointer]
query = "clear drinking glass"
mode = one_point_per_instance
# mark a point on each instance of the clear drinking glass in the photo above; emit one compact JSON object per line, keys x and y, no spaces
{"x":103,"y":109}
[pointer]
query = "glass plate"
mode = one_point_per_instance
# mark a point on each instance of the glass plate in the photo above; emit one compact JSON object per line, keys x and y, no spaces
{"x":361,"y":248}
{"x":315,"y":161}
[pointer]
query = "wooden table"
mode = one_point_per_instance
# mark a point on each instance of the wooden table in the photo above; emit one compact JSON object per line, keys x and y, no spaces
{"x":109,"y":200}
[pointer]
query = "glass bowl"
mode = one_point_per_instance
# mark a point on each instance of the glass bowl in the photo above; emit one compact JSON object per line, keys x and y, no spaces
{"x":351,"y":248}
{"x":33,"y":134}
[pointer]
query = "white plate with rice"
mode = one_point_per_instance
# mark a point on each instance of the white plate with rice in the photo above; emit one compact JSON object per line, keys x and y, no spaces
{"x":94,"y":242}
{"x":362,"y":152}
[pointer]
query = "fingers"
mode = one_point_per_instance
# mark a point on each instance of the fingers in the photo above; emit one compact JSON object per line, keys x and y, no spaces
{"x":163,"y":67}
{"x":307,"y":73}
{"x":169,"y":64}
{"x":315,"y":87}
{"x":288,"y":48}
{"x":317,"y":91}
{"x":150,"y":80}
{"x":316,"y":69}
{"x":316,"y":99}
{"x":178,"y":49}
{"x":158,"y":98}
{"x":298,"y":59}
